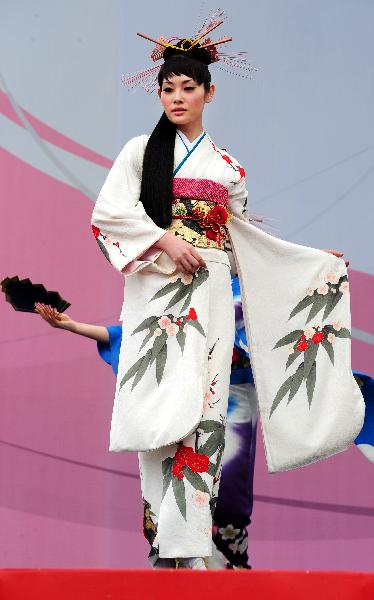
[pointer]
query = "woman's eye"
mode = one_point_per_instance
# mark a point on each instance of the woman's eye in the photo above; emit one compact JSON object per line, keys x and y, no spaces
{"x":190,"y":87}
{"x":167,"y":89}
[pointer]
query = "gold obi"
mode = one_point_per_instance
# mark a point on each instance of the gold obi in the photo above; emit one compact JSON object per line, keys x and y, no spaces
{"x":202,"y":223}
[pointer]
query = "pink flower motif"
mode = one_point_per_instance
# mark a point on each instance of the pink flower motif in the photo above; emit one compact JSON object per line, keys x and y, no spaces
{"x":337,"y":325}
{"x":174,"y":278}
{"x":323,"y":289}
{"x":344,"y":287}
{"x":187,"y":278}
{"x":331,"y":278}
{"x":291,"y":350}
{"x":200,"y":498}
{"x":107,"y":241}
{"x":158,"y":332}
{"x":172,"y":329}
{"x":309,"y":333}
{"x":331,"y":337}
{"x":208,"y":398}
{"x":146,"y":331}
{"x":164,"y":322}
{"x":310,"y":291}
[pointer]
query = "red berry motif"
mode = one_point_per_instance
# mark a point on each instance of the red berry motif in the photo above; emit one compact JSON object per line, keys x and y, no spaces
{"x":192,"y":316}
{"x":318,"y":337}
{"x":302,"y":345}
{"x":95,"y":231}
{"x":182,"y":454}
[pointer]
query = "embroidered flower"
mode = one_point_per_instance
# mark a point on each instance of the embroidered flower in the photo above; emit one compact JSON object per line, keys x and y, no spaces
{"x":208,"y":398}
{"x":344,"y":287}
{"x":218,"y":214}
{"x":164,"y":322}
{"x":241,"y":171}
{"x":228,"y":533}
{"x":192,"y":316}
{"x":310,"y":291}
{"x":337,"y":325}
{"x":323,"y":289}
{"x":302,"y":345}
{"x":200,"y":498}
{"x":331,"y":337}
{"x":239,"y":546}
{"x":174,"y":278}
{"x":172,"y":329}
{"x":158,"y":332}
{"x":331,"y":278}
{"x":308,"y":333}
{"x":182,"y":454}
{"x":318,"y":337}
{"x":187,"y":278}
{"x":95,"y":231}
{"x":198,"y":463}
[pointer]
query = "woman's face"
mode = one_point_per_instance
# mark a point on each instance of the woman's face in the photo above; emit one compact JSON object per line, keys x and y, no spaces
{"x":183,"y":99}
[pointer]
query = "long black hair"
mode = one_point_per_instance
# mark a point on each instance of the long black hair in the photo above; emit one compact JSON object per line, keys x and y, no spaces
{"x":157,"y":179}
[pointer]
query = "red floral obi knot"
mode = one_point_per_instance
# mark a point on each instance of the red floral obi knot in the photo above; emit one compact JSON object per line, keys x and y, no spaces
{"x":200,"y":189}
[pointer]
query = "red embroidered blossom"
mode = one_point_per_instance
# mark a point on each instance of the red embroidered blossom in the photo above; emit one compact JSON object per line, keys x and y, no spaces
{"x":302,"y":345}
{"x":218,"y":214}
{"x":318,"y":337}
{"x":241,"y":171}
{"x":226,"y":158}
{"x":192,"y":316}
{"x":185,"y":456}
{"x":182,"y":455}
{"x":178,"y":322}
{"x":198,"y":463}
{"x":95,"y":231}
{"x":210,"y":234}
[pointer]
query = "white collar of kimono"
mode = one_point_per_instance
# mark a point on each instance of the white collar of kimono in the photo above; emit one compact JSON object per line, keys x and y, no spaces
{"x":186,"y":142}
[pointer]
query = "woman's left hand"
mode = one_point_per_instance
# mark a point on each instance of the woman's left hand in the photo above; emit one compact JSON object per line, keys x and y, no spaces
{"x":338,"y":254}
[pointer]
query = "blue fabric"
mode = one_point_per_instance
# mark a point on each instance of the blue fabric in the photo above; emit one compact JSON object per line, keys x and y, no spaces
{"x":110,"y":351}
{"x":189,"y":154}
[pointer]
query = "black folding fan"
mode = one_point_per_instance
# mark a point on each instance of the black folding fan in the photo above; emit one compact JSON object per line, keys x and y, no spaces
{"x":22,"y":294}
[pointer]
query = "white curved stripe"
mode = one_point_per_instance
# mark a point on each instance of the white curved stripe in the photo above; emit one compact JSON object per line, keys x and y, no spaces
{"x":363,"y":336}
{"x":367,"y":450}
{"x":57,"y":163}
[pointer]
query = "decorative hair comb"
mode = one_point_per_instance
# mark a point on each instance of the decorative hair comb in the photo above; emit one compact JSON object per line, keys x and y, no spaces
{"x":235,"y":63}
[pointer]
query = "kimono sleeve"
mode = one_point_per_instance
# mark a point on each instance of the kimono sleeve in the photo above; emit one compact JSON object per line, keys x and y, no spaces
{"x":109,"y":351}
{"x":123,"y":230}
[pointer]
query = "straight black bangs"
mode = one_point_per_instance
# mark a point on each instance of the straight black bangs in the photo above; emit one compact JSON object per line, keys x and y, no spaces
{"x":183,"y":65}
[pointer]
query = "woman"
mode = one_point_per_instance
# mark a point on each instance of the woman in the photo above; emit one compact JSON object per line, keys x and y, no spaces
{"x":163,"y":219}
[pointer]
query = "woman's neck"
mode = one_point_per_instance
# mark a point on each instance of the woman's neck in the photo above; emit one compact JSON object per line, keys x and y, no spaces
{"x":191,"y":130}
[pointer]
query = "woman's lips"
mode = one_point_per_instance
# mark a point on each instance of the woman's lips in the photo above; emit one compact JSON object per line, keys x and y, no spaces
{"x":178,"y":111}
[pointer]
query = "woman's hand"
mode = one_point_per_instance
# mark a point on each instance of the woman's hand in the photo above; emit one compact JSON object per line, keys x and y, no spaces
{"x":53,"y":317}
{"x":185,"y":256}
{"x":337,"y":254}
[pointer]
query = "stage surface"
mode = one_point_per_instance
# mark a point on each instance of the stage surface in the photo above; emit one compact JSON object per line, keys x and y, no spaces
{"x":77,"y":584}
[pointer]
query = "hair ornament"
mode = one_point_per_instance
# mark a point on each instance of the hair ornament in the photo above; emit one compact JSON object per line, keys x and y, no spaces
{"x":235,"y":63}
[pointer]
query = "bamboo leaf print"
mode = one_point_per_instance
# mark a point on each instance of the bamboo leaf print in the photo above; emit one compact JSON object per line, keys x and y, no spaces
{"x":181,"y":293}
{"x":158,"y":344}
{"x":181,"y":339}
{"x":301,"y":305}
{"x":329,"y":349}
{"x":318,"y":304}
{"x":342,"y":333}
{"x":200,"y":277}
{"x":187,"y":301}
{"x":292,"y":357}
{"x":289,"y":338}
{"x":180,"y":495}
{"x":283,"y":390}
{"x":212,"y":469}
{"x":296,"y":382}
{"x":310,"y":383}
{"x":103,"y":249}
{"x":215,"y":441}
{"x":145,"y":324}
{"x":309,"y":358}
{"x":332,"y":301}
{"x":166,"y":474}
{"x":160,"y":363}
{"x":142,"y":368}
{"x":131,"y":372}
{"x":210,"y":425}
{"x":196,"y":480}
{"x":167,"y":289}
{"x":197,"y":326}
{"x":146,"y":339}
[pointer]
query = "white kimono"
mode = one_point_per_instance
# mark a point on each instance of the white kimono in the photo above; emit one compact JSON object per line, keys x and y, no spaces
{"x":295,"y":303}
